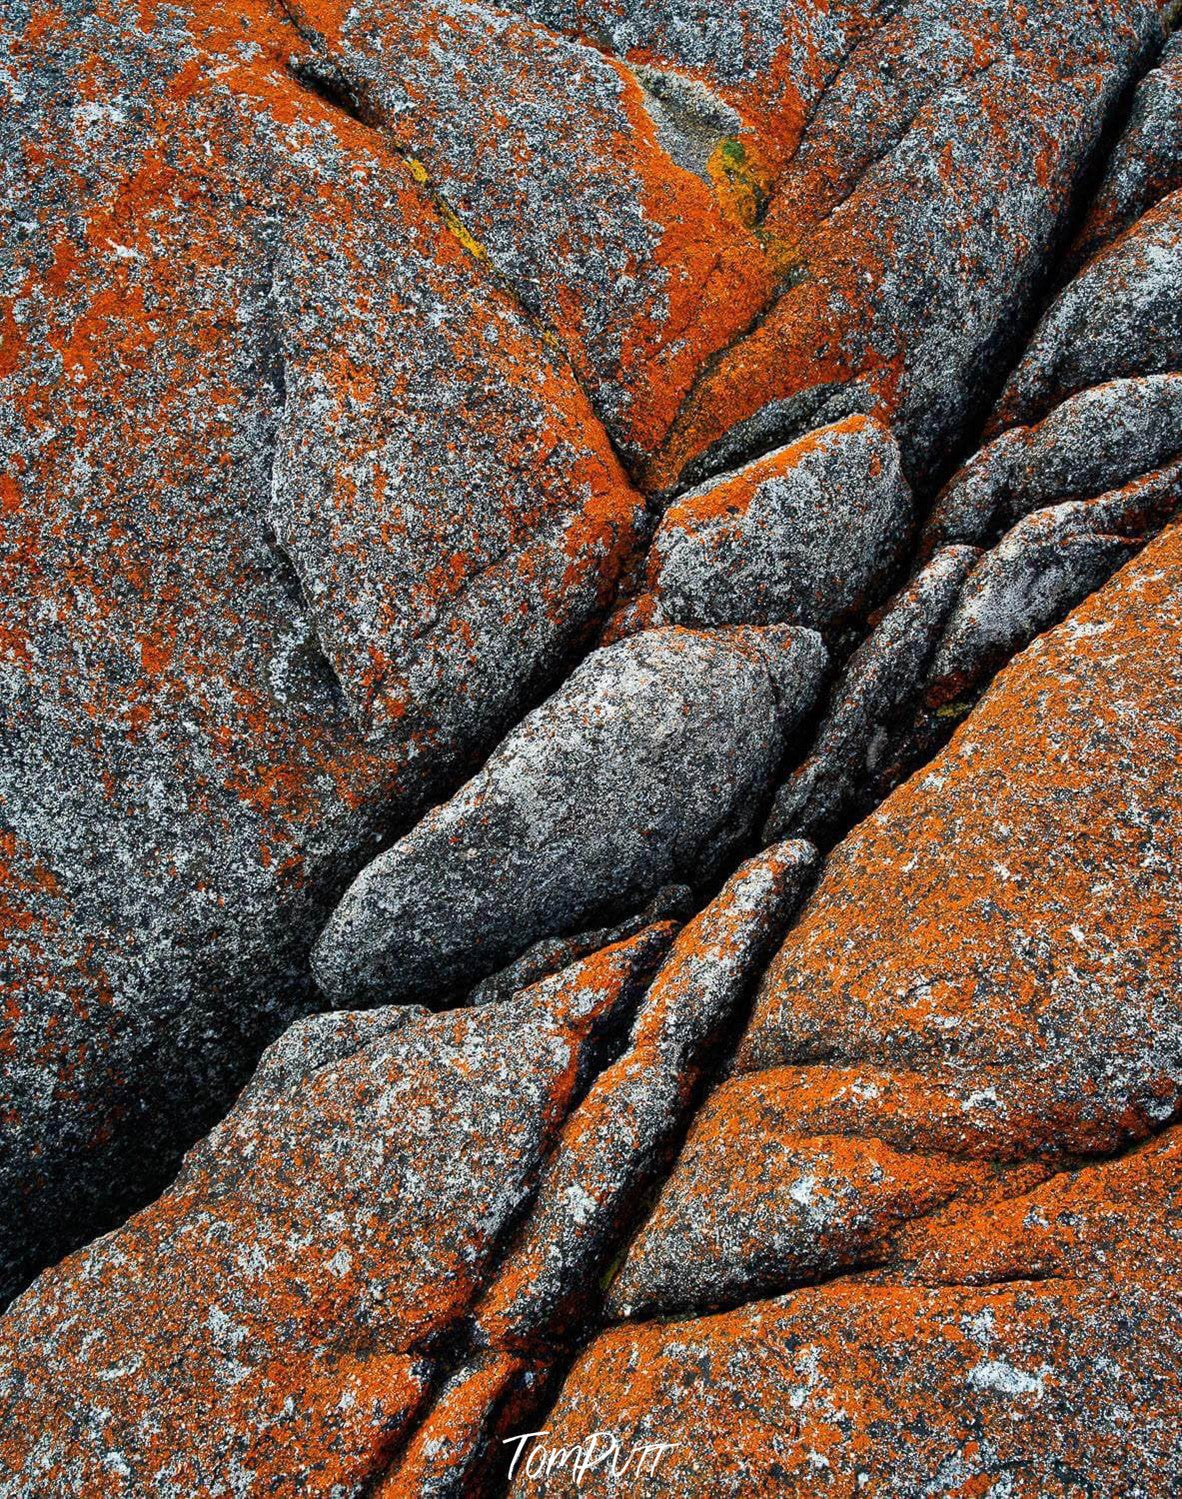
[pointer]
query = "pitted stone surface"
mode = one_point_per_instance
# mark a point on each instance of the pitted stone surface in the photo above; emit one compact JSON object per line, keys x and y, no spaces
{"x":654,"y":755}
{"x":281,"y":1298}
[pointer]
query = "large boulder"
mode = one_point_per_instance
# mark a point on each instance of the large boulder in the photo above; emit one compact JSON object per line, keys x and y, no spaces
{"x":650,"y":762}
{"x":238,"y":338}
{"x":272,"y":1319}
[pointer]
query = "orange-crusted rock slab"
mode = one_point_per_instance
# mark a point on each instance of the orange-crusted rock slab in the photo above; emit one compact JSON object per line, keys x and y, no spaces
{"x":268,"y":1316}
{"x":1027,"y":1346}
{"x":769,"y":61}
{"x":1016,"y":905}
{"x":600,"y":213}
{"x":918,"y":217}
{"x":616,"y":1142}
{"x":224,"y":297}
{"x":1035,"y":1389}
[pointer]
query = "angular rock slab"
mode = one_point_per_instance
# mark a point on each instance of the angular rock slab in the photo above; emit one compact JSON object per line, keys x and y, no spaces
{"x":652,"y":757}
{"x":596,"y":206}
{"x":267,"y":1318}
{"x":1016,"y":905}
{"x":615,"y":1144}
{"x":917,"y":220}
{"x":201,"y":299}
{"x":937,"y":1387}
{"x":1096,"y":441}
{"x":1146,"y":164}
{"x":804,"y":536}
{"x":1121,"y":316}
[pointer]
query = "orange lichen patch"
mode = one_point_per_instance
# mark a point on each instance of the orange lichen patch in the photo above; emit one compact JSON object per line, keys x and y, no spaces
{"x":614,"y":1143}
{"x":1013,"y":906}
{"x":1114,"y":1219}
{"x":547,"y":156}
{"x":855,"y":1387}
{"x":902,"y":271}
{"x":753,"y":1206}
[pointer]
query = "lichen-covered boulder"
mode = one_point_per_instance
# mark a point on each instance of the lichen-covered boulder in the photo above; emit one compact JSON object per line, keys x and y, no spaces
{"x":806,"y":535}
{"x":917,"y":220}
{"x":272,"y":1316}
{"x":653,"y":757}
{"x":230,"y":316}
{"x":604,"y":210}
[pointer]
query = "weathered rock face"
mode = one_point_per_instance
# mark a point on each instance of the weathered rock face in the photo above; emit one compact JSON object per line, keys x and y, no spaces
{"x":208,"y":343}
{"x":516,"y":411}
{"x":283,"y":1296}
{"x":917,"y":217}
{"x":652,"y":758}
{"x":1119,"y":317}
{"x":805,"y":535}
{"x":607,"y":214}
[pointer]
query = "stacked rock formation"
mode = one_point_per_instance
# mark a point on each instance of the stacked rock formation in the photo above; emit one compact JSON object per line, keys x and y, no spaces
{"x":592,"y":689}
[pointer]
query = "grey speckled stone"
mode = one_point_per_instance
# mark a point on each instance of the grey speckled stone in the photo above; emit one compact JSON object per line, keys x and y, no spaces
{"x":1093,"y":442}
{"x":805,"y":535}
{"x":884,"y":678}
{"x":654,"y":750}
{"x":1122,"y":315}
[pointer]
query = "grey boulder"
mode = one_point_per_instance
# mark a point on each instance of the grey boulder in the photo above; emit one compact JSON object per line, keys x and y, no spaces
{"x":657,"y":749}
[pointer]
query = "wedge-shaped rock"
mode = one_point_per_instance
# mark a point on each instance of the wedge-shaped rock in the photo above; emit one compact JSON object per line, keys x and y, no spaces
{"x":556,"y":162}
{"x":754,"y":1206}
{"x":916,"y":222}
{"x":882,"y":683}
{"x":770,"y":62}
{"x":612,"y":1148}
{"x":939,"y":1387}
{"x":1121,"y":316}
{"x":228,"y":283}
{"x":653,"y":755}
{"x":1146,"y":164}
{"x":267,"y":1317}
{"x":1096,"y":441}
{"x":806,"y":535}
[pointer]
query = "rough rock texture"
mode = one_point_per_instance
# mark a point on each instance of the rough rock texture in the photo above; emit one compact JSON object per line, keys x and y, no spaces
{"x":549,"y":156}
{"x":206,"y":342}
{"x":806,"y":535}
{"x":1146,"y":163}
{"x":516,"y":410}
{"x":916,"y":220}
{"x":653,"y":755}
{"x":883,"y":679}
{"x":1094,"y":442}
{"x":769,"y":61}
{"x":1122,"y":315}
{"x":611,"y":1150}
{"x":279,"y":1299}
{"x":1039,"y":1386}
